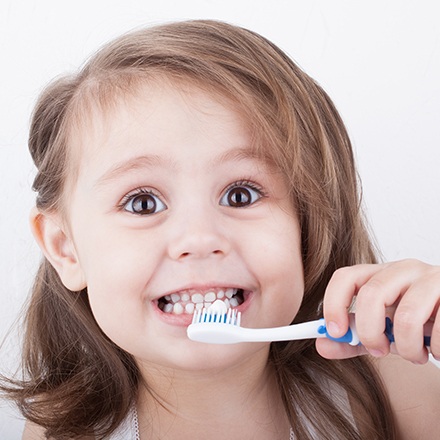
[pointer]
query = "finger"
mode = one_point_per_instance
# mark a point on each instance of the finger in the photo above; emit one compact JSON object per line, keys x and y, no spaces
{"x":343,"y":286}
{"x":412,"y":316}
{"x":384,"y":289}
{"x":371,"y":312}
{"x":336,"y":350}
{"x":435,"y":336}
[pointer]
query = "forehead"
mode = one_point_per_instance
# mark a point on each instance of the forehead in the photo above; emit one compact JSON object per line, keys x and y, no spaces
{"x":154,"y":113}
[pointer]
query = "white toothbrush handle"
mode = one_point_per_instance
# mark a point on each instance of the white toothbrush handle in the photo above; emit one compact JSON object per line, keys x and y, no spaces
{"x":306,"y":330}
{"x":219,"y":333}
{"x":222,"y":333}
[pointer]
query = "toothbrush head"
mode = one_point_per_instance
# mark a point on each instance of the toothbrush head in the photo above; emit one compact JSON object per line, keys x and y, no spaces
{"x":207,"y":315}
{"x":215,"y":324}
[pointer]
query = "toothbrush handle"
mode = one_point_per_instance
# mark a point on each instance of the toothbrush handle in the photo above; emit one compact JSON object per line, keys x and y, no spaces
{"x":353,"y":339}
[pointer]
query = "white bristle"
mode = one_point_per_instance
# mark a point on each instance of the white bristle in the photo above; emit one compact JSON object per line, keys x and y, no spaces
{"x":209,"y":316}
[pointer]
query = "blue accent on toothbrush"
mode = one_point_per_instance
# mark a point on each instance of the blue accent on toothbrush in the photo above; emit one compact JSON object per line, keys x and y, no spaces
{"x":389,"y":333}
{"x":348,"y":337}
{"x":389,"y":329}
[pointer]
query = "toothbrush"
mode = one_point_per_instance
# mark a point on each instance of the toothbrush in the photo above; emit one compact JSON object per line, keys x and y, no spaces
{"x":217,"y":325}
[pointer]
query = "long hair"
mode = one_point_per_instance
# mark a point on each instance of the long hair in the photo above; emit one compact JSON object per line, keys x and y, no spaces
{"x":77,"y":382}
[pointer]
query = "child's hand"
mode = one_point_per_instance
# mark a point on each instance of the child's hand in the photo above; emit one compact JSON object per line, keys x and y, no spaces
{"x":408,"y":291}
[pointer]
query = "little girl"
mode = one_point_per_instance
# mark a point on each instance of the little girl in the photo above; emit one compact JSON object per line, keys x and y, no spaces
{"x":192,"y":162}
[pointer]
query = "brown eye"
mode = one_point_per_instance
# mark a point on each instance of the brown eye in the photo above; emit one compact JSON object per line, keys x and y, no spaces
{"x":240,"y":196}
{"x":144,"y":203}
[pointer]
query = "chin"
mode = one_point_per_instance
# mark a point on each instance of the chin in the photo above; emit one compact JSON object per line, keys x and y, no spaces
{"x":202,"y":358}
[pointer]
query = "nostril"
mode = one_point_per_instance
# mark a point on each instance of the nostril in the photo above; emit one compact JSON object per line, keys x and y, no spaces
{"x":198,"y":245}
{"x":185,"y":255}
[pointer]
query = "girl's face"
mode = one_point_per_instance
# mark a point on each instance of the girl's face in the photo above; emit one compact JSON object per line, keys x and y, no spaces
{"x":171,"y":209}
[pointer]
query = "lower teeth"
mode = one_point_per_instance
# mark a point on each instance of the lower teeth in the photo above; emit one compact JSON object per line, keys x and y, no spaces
{"x":179,"y":308}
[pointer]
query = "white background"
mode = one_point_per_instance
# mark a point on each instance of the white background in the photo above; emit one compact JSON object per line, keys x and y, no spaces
{"x":378,"y":59}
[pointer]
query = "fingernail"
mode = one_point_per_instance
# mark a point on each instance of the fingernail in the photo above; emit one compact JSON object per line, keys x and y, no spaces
{"x":333,"y":328}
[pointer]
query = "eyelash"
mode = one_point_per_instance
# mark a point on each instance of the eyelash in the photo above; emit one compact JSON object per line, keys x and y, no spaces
{"x":245,"y":184}
{"x":139,"y":192}
{"x":130,"y":197}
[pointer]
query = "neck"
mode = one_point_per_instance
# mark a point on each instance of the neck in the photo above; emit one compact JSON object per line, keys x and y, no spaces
{"x":242,"y":401}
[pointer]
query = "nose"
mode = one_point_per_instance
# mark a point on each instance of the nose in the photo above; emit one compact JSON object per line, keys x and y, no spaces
{"x":198,"y":237}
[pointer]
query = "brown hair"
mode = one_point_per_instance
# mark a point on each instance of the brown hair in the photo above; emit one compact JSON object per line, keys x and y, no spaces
{"x":77,"y":381}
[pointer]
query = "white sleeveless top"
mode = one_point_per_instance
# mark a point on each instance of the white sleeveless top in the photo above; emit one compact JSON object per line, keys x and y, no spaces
{"x":126,"y":430}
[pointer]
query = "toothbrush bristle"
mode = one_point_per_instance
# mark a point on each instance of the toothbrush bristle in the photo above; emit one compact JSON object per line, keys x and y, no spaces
{"x":206,"y":316}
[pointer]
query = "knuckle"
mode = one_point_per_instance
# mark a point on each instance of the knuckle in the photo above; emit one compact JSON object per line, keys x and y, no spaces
{"x":370,"y":291}
{"x":341,"y":274}
{"x":404,"y":320}
{"x":434,"y":276}
{"x":418,"y":267}
{"x":409,"y":263}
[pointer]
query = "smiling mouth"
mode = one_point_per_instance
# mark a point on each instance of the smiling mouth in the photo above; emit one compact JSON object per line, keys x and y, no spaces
{"x":187,"y":302}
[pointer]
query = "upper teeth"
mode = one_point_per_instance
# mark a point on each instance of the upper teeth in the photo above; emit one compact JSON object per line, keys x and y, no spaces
{"x":185,"y":302}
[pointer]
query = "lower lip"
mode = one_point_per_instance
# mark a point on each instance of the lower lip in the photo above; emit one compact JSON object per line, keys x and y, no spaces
{"x":184,"y":320}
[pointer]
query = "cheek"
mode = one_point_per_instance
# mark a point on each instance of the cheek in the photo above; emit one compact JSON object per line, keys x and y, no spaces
{"x":294,"y":276}
{"x":280,"y":252}
{"x":117,"y":274}
{"x":113,"y":257}
{"x":279,"y":268}
{"x":116,"y":291}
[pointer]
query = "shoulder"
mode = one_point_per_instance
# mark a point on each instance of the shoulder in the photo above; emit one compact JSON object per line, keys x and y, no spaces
{"x":414,"y":392}
{"x":127,"y":430}
{"x":35,"y":432}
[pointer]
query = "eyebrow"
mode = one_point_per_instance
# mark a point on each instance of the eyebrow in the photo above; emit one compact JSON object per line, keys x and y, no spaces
{"x":143,"y":162}
{"x":240,"y":153}
{"x":135,"y":163}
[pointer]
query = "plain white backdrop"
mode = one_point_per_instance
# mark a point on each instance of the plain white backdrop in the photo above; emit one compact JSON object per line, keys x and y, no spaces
{"x":378,"y":60}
